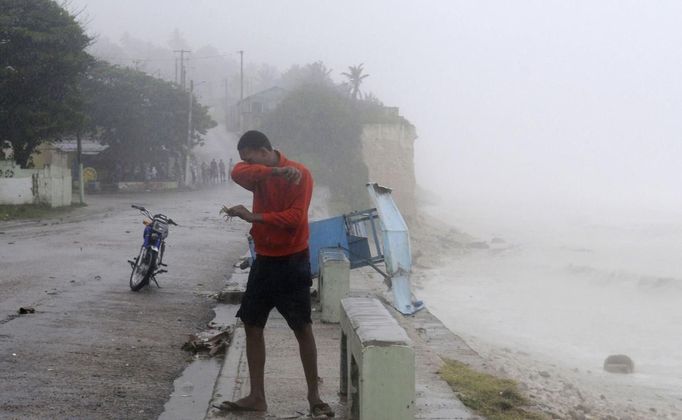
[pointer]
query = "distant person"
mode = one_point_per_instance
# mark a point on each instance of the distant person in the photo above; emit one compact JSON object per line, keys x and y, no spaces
{"x":173,"y":171}
{"x":230,"y":166}
{"x":280,"y":274}
{"x":221,"y":169}
{"x":163,"y":173}
{"x":204,"y":172}
{"x":118,"y":172}
{"x":147,"y":172}
{"x":214,"y":171}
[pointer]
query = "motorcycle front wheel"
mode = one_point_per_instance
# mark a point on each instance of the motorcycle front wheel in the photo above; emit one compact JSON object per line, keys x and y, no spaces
{"x":142,"y":269}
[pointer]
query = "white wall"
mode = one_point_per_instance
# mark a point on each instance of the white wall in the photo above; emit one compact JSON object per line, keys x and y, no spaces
{"x":16,"y":190}
{"x":50,"y":185}
{"x":388,"y":151}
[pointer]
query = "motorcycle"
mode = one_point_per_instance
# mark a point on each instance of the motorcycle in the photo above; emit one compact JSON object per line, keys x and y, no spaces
{"x":149,"y":261}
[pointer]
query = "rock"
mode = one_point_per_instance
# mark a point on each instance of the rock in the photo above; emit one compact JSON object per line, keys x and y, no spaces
{"x":544,"y":374}
{"x":26,"y":310}
{"x":619,"y":363}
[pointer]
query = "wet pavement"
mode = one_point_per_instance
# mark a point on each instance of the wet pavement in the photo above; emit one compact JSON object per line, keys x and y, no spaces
{"x":93,"y":348}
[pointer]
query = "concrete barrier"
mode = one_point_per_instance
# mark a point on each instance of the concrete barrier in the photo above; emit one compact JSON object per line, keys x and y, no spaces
{"x":377,"y":362}
{"x":334,"y":282}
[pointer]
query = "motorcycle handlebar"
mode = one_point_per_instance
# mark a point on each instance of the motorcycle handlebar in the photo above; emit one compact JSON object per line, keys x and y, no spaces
{"x":142,"y":209}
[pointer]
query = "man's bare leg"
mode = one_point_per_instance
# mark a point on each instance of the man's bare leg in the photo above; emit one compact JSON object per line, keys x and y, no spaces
{"x":255,"y":355}
{"x":308,"y":351}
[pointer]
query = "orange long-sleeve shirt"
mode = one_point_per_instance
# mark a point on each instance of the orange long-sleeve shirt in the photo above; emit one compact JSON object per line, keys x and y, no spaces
{"x":283,"y":204}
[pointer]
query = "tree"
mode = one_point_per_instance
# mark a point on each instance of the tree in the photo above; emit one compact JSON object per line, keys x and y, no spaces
{"x":321,"y":127}
{"x":42,"y":56}
{"x":355,"y":78}
{"x":141,"y":118}
{"x":311,"y":74}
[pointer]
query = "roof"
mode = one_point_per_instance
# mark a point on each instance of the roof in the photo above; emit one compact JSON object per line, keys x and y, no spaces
{"x":274,"y":93}
{"x":88,"y":147}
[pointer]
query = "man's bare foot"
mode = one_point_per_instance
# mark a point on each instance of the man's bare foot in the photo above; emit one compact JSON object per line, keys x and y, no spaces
{"x":319,"y":408}
{"x":248,"y":403}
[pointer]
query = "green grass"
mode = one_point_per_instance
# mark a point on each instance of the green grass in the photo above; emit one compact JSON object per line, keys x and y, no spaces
{"x":33,"y":211}
{"x":492,"y":397}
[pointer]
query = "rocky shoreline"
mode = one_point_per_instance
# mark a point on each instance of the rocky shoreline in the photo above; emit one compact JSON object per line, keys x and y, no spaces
{"x":559,"y":390}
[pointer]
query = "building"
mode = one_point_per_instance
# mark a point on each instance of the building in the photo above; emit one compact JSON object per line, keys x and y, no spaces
{"x":248,"y":113}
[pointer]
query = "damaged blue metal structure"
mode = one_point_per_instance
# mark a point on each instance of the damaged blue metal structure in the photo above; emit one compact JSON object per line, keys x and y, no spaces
{"x":370,"y":237}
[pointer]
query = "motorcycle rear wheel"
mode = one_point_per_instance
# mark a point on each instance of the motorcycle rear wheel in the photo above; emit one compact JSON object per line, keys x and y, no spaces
{"x":142,"y":269}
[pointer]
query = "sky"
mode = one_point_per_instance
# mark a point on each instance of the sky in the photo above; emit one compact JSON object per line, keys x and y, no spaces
{"x":565,"y":102}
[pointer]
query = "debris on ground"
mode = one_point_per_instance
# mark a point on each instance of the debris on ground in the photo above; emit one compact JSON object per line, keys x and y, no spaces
{"x":230,"y":295}
{"x":212,"y":341}
{"x":26,"y":310}
{"x":243,"y":263}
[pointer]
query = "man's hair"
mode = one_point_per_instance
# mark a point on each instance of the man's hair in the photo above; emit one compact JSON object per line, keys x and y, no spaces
{"x":253,"y":139}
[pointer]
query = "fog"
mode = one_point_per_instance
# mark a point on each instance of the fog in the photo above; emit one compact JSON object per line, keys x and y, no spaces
{"x":565,"y":101}
{"x":555,"y":125}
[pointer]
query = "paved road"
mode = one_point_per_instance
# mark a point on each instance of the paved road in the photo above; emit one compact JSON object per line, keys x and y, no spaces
{"x":94,"y":349}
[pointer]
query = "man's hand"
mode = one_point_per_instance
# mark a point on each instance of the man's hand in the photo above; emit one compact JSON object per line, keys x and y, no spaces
{"x":289,"y":173}
{"x":241,"y":212}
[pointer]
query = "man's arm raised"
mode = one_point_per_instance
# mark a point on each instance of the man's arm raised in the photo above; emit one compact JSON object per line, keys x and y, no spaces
{"x":248,"y":175}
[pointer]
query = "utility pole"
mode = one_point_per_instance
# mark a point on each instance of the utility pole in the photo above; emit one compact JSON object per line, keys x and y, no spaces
{"x":79,"y":152}
{"x":176,"y":70}
{"x":241,"y":74}
{"x":183,"y":72}
{"x":189,"y":135}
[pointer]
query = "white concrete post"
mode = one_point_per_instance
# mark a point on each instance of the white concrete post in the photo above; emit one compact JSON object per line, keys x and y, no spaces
{"x":334,"y":282}
{"x":379,"y":362}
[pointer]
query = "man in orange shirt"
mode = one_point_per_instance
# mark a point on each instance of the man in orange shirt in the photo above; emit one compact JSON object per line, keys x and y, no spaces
{"x":280,"y":275}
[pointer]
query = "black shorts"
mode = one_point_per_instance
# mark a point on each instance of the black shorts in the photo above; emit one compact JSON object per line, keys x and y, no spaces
{"x":278,"y":282}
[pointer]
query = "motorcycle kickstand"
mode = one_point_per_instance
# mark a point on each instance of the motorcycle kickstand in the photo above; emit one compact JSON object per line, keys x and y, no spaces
{"x":156,"y":282}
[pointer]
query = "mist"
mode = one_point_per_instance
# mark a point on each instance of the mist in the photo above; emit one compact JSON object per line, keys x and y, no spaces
{"x":531,"y":101}
{"x":552,"y":125}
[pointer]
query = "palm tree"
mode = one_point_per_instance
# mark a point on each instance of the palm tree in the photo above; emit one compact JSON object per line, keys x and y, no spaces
{"x":355,"y":78}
